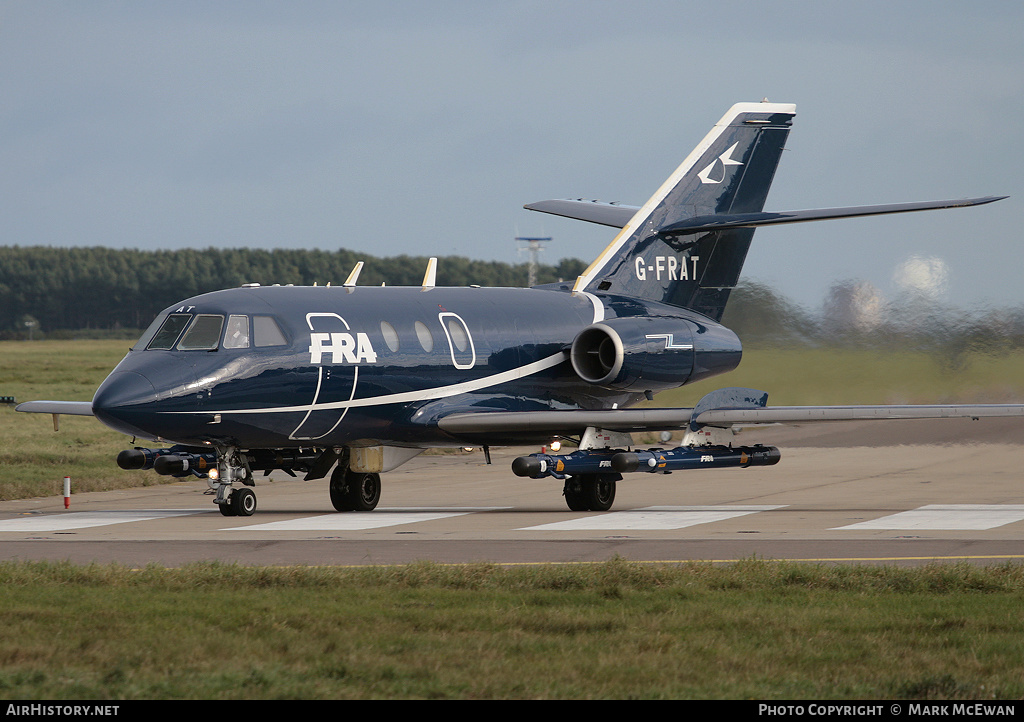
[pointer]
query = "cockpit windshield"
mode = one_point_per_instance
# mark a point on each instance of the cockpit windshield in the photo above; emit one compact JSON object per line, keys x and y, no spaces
{"x":202,"y":332}
{"x":169,"y":331}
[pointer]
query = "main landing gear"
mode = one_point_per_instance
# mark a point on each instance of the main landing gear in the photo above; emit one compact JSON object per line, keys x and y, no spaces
{"x":354,"y":490}
{"x":589,"y":492}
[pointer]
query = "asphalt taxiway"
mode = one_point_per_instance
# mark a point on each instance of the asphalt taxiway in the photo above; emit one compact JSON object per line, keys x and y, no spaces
{"x":870,"y":492}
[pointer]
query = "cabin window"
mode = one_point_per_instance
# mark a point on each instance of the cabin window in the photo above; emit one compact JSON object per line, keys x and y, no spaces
{"x":458,"y":334}
{"x":460,"y":343}
{"x":425,"y":339}
{"x":169,"y":331}
{"x":390,"y":335}
{"x":203,"y":334}
{"x":266,"y":332}
{"x":237,"y":333}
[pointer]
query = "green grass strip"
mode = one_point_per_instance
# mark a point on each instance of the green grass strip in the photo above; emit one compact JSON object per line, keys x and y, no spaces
{"x":753,"y":629}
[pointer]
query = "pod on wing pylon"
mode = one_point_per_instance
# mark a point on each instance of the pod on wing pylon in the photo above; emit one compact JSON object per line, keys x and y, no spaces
{"x":616,"y":461}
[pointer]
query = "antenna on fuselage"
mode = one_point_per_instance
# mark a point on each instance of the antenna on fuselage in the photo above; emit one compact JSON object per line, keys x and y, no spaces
{"x":430,"y":276}
{"x":352,"y":277}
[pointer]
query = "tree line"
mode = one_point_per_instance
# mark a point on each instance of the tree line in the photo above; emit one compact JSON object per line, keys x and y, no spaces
{"x":102,"y":291}
{"x":96,"y":288}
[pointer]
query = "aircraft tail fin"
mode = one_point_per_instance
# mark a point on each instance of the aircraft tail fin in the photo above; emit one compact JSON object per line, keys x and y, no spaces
{"x":729,"y":172}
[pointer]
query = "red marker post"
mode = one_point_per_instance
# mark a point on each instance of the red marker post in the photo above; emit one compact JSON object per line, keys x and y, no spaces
{"x":67,"y":492}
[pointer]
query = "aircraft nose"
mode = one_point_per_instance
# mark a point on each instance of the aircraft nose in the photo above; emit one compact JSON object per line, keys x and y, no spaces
{"x":121,"y":399}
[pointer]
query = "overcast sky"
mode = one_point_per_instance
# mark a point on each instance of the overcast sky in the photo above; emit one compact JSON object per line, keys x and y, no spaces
{"x":422,"y":128}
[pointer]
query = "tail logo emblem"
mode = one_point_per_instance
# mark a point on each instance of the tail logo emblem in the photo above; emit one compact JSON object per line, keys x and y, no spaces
{"x":726,"y":159}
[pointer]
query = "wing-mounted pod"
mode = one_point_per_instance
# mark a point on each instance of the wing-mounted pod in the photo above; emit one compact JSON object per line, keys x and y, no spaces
{"x":640,"y":353}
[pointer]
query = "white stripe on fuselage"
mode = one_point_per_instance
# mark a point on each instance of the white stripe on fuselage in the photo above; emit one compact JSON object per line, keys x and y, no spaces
{"x":438,"y":392}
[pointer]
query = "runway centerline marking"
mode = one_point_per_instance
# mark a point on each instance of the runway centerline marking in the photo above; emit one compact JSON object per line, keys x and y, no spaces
{"x":353,"y":521}
{"x":654,"y":518}
{"x":85,"y":519}
{"x":964,"y":517}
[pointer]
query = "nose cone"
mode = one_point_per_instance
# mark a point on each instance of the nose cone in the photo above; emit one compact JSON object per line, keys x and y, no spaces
{"x":124,"y":402}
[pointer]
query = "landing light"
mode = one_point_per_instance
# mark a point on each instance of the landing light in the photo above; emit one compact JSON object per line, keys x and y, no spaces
{"x":555,"y":445}
{"x":213,"y":473}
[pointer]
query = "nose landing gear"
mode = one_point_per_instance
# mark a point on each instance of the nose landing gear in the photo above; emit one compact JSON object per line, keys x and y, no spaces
{"x":241,"y":502}
{"x":233,"y":466}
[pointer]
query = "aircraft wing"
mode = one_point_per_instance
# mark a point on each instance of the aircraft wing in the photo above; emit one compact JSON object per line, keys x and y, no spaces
{"x":56,"y":408}
{"x":73,"y":408}
{"x":723,"y":408}
{"x":724,"y":418}
{"x":570,"y":421}
{"x":630,"y":420}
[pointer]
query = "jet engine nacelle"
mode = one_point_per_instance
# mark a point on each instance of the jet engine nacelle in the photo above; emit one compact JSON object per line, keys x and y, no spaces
{"x":639,"y":353}
{"x":653,"y":353}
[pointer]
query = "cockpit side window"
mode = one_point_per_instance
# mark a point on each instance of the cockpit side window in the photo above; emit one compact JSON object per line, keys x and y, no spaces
{"x":203,"y":334}
{"x":169,"y":331}
{"x":266,"y":332}
{"x":149,"y":333}
{"x":237,"y":333}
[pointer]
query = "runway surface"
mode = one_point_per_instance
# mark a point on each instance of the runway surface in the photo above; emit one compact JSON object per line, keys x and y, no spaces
{"x":871,"y":492}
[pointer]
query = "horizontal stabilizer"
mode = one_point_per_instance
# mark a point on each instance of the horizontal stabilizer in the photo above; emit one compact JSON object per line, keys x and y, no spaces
{"x":702,"y":224}
{"x":605,"y":214}
{"x":618,"y":215}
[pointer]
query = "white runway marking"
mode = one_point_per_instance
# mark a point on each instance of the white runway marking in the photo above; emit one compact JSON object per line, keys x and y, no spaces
{"x":352,"y":521}
{"x":84,"y":519}
{"x":947,"y":517}
{"x":654,"y":518}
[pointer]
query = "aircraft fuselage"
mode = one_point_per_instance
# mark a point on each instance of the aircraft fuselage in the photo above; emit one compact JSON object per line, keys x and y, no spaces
{"x":329,"y":366}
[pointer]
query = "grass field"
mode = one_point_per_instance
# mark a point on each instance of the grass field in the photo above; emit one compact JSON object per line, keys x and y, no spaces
{"x":618,"y":630}
{"x":33,"y":459}
{"x":849,"y":376}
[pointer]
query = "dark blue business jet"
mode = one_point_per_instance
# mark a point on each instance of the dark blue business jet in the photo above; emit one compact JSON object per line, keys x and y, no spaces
{"x":361,"y":379}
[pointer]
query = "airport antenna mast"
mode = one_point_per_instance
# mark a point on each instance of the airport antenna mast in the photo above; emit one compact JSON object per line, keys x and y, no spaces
{"x":533,"y":245}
